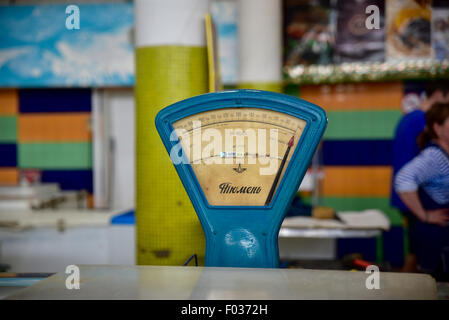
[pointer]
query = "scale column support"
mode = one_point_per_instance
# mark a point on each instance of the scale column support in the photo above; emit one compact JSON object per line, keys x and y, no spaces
{"x":260,"y":44}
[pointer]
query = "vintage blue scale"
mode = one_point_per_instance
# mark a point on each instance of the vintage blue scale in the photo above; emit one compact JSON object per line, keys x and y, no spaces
{"x":241,"y":156}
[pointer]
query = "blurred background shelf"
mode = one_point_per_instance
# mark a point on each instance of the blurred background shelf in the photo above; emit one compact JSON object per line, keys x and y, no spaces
{"x":366,"y":72}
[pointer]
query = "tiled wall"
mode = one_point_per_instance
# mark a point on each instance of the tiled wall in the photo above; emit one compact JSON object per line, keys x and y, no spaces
{"x":49,"y":130}
{"x":357,"y":146}
{"x":357,"y":156}
{"x":8,"y":136}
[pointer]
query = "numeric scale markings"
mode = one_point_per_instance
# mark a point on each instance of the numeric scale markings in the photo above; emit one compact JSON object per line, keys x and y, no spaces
{"x":188,"y":127}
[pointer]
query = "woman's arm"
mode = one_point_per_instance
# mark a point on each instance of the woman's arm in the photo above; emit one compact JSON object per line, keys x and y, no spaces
{"x":422,"y":168}
{"x":411,"y":200}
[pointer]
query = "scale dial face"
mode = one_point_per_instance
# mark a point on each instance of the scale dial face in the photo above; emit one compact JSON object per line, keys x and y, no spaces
{"x":239,"y":155}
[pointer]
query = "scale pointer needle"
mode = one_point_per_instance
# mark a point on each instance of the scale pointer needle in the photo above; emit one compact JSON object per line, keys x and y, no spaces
{"x":278,"y":174}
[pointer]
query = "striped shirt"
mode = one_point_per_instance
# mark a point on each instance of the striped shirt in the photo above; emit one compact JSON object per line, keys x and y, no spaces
{"x":428,"y":170}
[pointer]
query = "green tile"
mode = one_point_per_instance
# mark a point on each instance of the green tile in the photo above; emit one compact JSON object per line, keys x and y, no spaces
{"x":361,"y":124}
{"x":291,"y":89}
{"x":8,"y":129}
{"x":55,"y":155}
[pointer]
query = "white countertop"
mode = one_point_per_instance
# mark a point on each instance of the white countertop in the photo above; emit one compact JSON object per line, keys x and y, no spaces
{"x":21,"y":220}
{"x":162,"y":282}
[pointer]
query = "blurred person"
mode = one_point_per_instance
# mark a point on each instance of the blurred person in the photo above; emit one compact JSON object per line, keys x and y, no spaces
{"x":423,"y":186}
{"x":405,"y":148}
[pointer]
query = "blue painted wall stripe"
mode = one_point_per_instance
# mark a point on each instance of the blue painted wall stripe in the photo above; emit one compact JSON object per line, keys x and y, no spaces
{"x":70,"y":179}
{"x":8,"y":155}
{"x":55,"y":100}
{"x":357,"y":152}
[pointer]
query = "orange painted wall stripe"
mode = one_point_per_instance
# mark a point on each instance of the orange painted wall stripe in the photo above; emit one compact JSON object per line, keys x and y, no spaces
{"x":355,"y":96}
{"x":373,"y":181}
{"x":9,"y":101}
{"x":9,"y":176}
{"x":90,"y":201}
{"x":54,"y":127}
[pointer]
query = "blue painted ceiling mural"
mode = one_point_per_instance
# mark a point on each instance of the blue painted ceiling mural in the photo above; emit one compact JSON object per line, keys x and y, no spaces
{"x":38,"y":50}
